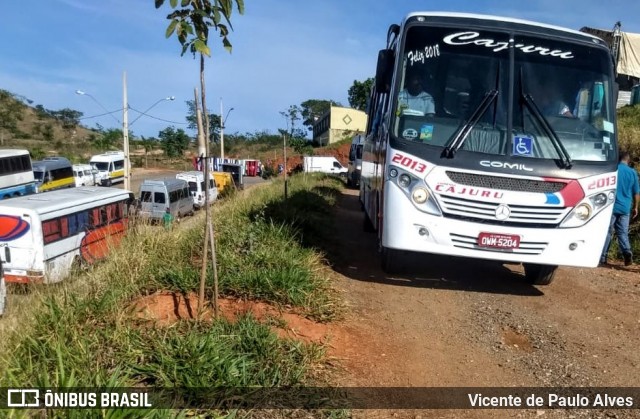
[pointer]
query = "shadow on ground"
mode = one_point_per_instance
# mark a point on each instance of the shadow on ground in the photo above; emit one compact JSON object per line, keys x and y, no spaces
{"x":353,"y":253}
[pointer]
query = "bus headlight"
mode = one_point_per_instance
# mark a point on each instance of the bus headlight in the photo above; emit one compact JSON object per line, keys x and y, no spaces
{"x":393,"y":172}
{"x":404,"y":180}
{"x":420,"y":195}
{"x":582,"y":212}
{"x":588,"y":208}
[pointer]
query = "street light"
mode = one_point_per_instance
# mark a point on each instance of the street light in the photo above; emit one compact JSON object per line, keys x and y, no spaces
{"x":125,"y":123}
{"x":168,"y":98}
{"x":222,"y":121}
{"x":83,"y":93}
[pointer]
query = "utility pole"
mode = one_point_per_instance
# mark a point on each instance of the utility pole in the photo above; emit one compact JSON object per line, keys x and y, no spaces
{"x":284,"y":149}
{"x":221,"y":132}
{"x":125,"y":131}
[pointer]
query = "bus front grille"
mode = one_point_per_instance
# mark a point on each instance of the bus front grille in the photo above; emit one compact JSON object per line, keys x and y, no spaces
{"x":485,"y":212}
{"x":471,"y":242}
{"x":505,"y":183}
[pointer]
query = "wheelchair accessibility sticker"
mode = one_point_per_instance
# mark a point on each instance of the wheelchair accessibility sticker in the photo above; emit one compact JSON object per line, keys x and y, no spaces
{"x":523,"y":146}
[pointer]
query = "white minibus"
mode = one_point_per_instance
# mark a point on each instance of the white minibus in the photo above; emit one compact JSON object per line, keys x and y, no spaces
{"x":195,"y":180}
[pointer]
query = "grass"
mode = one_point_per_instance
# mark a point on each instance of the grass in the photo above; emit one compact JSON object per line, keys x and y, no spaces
{"x":80,"y":334}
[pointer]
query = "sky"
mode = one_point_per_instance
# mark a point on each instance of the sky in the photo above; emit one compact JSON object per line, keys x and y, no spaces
{"x":284,"y":52}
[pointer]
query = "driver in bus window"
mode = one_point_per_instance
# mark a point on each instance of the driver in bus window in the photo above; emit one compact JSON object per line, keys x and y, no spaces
{"x":550,"y":102}
{"x":413,"y":99}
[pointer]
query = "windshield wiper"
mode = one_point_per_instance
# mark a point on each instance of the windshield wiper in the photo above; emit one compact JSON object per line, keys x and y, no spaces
{"x":453,"y":145}
{"x":565,"y":157}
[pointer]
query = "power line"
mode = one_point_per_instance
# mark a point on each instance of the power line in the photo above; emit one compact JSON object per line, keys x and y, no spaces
{"x":102,"y":114}
{"x":159,"y":119}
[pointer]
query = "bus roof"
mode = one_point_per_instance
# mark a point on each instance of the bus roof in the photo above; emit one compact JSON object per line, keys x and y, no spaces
{"x":51,"y":163}
{"x":66,"y":198}
{"x":500,"y":19}
{"x":108,"y":156}
{"x":12,"y":153}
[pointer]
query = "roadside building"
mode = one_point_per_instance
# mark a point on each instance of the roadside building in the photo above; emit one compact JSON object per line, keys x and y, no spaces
{"x":337,"y":124}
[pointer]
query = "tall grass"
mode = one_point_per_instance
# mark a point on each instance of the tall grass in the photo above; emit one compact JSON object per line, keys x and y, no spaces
{"x":79,"y":334}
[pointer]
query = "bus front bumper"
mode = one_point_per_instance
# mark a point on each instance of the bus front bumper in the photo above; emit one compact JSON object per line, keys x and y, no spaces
{"x":407,"y":228}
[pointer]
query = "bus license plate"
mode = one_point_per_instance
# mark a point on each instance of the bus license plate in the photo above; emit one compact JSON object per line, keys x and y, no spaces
{"x":501,"y":241}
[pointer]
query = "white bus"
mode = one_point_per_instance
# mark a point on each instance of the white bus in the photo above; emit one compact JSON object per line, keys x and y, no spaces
{"x":514,"y":159}
{"x":16,"y":174}
{"x":110,"y":167}
{"x":43,"y":235}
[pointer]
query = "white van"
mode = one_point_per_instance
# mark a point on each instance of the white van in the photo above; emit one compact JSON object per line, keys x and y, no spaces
{"x":355,"y":161}
{"x":324,"y":164}
{"x":156,"y":195}
{"x":195,"y":180}
{"x":110,"y":167}
{"x":84,"y":175}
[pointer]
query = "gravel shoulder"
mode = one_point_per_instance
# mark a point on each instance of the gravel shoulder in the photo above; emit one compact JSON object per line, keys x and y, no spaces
{"x":467,"y":323}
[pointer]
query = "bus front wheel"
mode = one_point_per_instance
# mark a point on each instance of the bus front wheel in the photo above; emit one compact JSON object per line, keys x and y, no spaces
{"x":389,"y":260}
{"x":539,"y":274}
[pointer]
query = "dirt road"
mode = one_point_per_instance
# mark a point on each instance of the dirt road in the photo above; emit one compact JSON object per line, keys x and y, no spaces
{"x":466,"y":323}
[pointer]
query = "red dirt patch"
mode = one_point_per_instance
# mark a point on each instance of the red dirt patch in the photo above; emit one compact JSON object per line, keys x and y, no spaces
{"x":165,"y":309}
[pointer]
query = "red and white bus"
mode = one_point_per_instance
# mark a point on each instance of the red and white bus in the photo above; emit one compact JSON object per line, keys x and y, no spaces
{"x":43,"y":235}
{"x":515,"y":157}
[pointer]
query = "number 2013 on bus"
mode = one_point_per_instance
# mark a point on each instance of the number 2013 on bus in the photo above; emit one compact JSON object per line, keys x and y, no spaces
{"x":409,"y":163}
{"x":603,"y":182}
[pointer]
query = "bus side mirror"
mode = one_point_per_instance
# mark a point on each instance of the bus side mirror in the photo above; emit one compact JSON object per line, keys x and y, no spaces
{"x":7,"y":254}
{"x":384,"y":70}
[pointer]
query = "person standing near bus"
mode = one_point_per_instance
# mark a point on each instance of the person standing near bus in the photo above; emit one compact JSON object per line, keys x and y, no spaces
{"x":167,"y":219}
{"x":624,"y":209}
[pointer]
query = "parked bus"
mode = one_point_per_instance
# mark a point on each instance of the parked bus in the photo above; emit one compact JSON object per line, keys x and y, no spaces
{"x":490,"y":168}
{"x":42,"y":236}
{"x":53,"y":173}
{"x":110,"y":167}
{"x":16,"y":174}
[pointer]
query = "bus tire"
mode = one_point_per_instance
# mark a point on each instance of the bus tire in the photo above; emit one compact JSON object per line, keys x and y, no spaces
{"x":539,"y":274}
{"x":389,"y":260}
{"x":367,"y":225}
{"x":108,"y":183}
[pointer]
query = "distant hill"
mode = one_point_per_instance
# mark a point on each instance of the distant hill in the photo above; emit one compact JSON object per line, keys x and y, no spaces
{"x":42,"y":131}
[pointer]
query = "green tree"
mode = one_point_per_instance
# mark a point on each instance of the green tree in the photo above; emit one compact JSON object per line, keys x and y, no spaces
{"x":174,"y":142}
{"x":359,"y":94}
{"x":314,"y":108}
{"x":214,"y":121}
{"x":107,"y":139}
{"x":190,"y":23}
{"x":69,"y":118}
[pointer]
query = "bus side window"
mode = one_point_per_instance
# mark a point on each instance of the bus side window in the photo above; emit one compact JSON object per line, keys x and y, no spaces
{"x":64,"y":227}
{"x":94,"y":217}
{"x":51,"y":230}
{"x":83,"y":220}
{"x":72,"y":222}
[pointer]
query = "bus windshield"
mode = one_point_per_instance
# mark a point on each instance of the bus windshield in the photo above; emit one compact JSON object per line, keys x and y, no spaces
{"x":456,"y":85}
{"x":101,"y":166}
{"x":38,"y":175}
